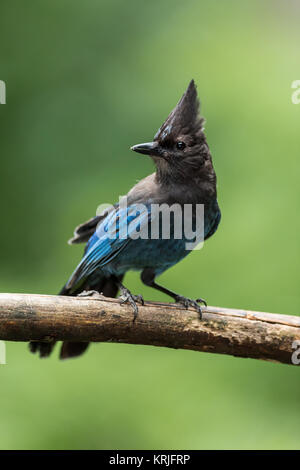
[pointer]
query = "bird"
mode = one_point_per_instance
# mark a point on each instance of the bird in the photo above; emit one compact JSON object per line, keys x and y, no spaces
{"x":184,"y":175}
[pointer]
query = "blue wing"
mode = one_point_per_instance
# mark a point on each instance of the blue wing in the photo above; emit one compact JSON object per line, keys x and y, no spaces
{"x":112,"y":235}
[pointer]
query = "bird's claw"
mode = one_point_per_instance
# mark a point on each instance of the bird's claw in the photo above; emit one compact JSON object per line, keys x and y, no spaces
{"x":201,"y":301}
{"x":128,"y":297}
{"x":186,"y":302}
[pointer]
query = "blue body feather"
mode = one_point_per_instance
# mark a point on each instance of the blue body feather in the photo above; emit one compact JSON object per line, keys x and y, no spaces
{"x":111,"y":250}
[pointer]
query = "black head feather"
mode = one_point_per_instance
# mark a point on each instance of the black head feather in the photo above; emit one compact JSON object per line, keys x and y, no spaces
{"x":179,"y":149}
{"x":184,"y":119}
{"x":183,"y":153}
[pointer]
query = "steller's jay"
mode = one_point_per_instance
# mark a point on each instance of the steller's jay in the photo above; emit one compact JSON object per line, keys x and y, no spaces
{"x":184,"y":175}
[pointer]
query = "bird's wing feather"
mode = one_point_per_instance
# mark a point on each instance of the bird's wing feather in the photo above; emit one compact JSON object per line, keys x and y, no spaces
{"x":83,"y":232}
{"x":112,"y":235}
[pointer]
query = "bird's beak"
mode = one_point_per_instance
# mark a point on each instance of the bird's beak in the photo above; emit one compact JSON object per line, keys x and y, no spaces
{"x":149,"y":148}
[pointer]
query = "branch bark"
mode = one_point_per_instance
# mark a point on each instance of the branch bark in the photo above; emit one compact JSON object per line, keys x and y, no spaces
{"x":242,"y":333}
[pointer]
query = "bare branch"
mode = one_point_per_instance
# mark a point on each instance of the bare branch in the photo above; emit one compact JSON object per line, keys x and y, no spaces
{"x":243,"y":333}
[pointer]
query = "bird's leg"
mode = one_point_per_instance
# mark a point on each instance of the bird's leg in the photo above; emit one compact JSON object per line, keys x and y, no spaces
{"x":127,"y":296}
{"x":148,"y":279}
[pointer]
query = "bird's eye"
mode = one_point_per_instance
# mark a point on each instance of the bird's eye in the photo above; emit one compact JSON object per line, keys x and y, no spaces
{"x":180,"y":145}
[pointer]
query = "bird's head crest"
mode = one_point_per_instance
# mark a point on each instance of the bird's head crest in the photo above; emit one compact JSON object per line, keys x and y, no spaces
{"x":184,"y":119}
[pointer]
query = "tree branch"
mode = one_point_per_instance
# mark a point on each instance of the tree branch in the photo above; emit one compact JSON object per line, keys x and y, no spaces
{"x":243,"y":333}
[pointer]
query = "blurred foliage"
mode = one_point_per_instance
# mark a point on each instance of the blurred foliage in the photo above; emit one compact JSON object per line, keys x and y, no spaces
{"x":85,"y":81}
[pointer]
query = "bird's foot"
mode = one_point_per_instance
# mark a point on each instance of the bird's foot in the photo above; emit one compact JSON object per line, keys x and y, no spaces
{"x":90,"y":293}
{"x":127,"y":297}
{"x":186,"y":302}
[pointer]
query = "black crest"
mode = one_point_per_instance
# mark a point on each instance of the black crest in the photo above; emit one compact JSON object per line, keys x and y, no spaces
{"x":184,"y":119}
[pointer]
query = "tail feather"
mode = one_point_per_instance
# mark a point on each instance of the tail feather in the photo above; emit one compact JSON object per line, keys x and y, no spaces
{"x":71,"y":349}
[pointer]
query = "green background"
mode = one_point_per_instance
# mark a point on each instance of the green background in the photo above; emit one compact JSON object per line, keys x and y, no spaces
{"x":85,"y":81}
